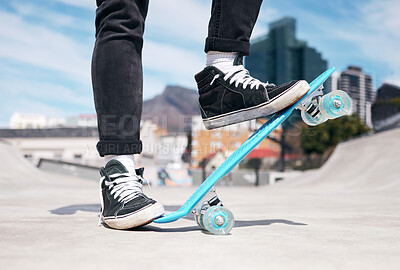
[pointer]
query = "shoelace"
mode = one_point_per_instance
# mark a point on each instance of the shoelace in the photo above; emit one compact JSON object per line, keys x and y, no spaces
{"x":124,"y":187}
{"x":238,"y":74}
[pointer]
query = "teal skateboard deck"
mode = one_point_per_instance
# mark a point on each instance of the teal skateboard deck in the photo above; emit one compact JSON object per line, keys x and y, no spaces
{"x":274,"y":121}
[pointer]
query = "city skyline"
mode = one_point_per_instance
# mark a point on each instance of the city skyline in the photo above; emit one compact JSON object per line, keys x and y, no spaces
{"x":46,"y":46}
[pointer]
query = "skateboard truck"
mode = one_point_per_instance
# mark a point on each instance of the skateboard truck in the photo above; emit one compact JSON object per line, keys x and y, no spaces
{"x":310,"y":104}
{"x":203,"y":205}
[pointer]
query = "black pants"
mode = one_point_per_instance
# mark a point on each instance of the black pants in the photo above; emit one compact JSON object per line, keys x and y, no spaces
{"x":117,"y":74}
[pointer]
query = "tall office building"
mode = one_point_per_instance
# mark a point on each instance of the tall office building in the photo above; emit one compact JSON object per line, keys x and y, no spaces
{"x":280,"y":57}
{"x":359,"y":87}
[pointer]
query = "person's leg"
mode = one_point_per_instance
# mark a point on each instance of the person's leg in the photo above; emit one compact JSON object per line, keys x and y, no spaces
{"x":228,"y":94}
{"x":231,"y":25}
{"x":117,"y":75}
{"x":117,"y":85}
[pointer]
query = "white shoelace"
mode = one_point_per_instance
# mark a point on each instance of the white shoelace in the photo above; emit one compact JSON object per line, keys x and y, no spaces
{"x":238,"y":74}
{"x":125,"y":186}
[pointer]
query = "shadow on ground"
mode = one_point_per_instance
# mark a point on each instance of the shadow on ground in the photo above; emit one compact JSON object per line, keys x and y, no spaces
{"x":72,"y":209}
{"x":238,"y":224}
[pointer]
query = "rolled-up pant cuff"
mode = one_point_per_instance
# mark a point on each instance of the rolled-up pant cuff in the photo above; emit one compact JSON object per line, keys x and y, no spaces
{"x":120,"y":147}
{"x":227,"y":45}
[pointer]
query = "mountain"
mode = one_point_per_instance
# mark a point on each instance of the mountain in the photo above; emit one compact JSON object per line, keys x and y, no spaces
{"x":172,"y":109}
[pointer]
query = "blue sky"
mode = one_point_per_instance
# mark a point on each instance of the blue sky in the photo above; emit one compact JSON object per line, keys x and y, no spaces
{"x":46,"y":46}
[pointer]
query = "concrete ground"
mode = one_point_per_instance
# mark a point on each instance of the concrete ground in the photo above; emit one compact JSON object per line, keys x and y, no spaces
{"x":344,"y":216}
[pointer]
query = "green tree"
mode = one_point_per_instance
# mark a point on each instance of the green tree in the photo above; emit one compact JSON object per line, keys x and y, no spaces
{"x":319,"y":138}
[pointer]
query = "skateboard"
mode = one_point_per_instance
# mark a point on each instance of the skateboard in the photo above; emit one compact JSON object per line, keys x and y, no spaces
{"x":204,"y":203}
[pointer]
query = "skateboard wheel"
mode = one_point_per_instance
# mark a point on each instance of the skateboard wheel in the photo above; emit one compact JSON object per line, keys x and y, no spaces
{"x":199,"y":221}
{"x":312,"y":121}
{"x":335,"y":104}
{"x":218,"y":220}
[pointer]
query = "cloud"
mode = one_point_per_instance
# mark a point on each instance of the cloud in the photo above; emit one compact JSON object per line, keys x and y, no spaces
{"x":86,"y":4}
{"x":15,"y":88}
{"x":266,"y":15}
{"x":39,"y":46}
{"x":42,"y":69}
{"x":373,"y":32}
{"x":169,"y":65}
{"x":382,"y":15}
{"x":177,"y":20}
{"x":379,"y":35}
{"x":172,"y":60}
{"x":53,"y":52}
{"x":32,"y":92}
{"x":51,"y":18}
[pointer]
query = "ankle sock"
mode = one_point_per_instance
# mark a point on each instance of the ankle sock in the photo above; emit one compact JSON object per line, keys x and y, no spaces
{"x":221,"y":60}
{"x":126,"y":160}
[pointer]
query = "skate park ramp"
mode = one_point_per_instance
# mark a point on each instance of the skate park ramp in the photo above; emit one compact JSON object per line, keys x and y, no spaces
{"x":369,"y":164}
{"x":342,"y":216}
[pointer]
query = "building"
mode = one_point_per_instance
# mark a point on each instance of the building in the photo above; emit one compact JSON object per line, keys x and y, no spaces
{"x":78,"y":144}
{"x":34,"y":121}
{"x":56,"y":123}
{"x":280,"y":57}
{"x":27,"y":120}
{"x":387,"y":91}
{"x":75,"y":145}
{"x":170,"y":148}
{"x":150,"y":136}
{"x":386,"y":108}
{"x":359,"y":87}
{"x":82,"y":120}
{"x":226,"y":139}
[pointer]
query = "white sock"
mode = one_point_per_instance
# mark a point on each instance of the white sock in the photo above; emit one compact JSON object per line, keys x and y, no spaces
{"x":126,"y":160}
{"x":221,"y":60}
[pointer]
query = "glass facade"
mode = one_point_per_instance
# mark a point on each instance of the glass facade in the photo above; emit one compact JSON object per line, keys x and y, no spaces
{"x":279,"y":57}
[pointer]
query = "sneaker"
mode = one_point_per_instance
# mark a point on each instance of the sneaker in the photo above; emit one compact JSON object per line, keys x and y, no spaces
{"x":123,"y":203}
{"x":235,"y":96}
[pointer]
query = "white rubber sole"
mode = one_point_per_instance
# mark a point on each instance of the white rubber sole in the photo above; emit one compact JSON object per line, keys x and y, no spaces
{"x":296,"y":92}
{"x":139,"y":218}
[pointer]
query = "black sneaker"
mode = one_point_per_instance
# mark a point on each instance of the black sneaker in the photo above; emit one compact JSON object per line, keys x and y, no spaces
{"x":123,"y":203}
{"x":235,"y":96}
